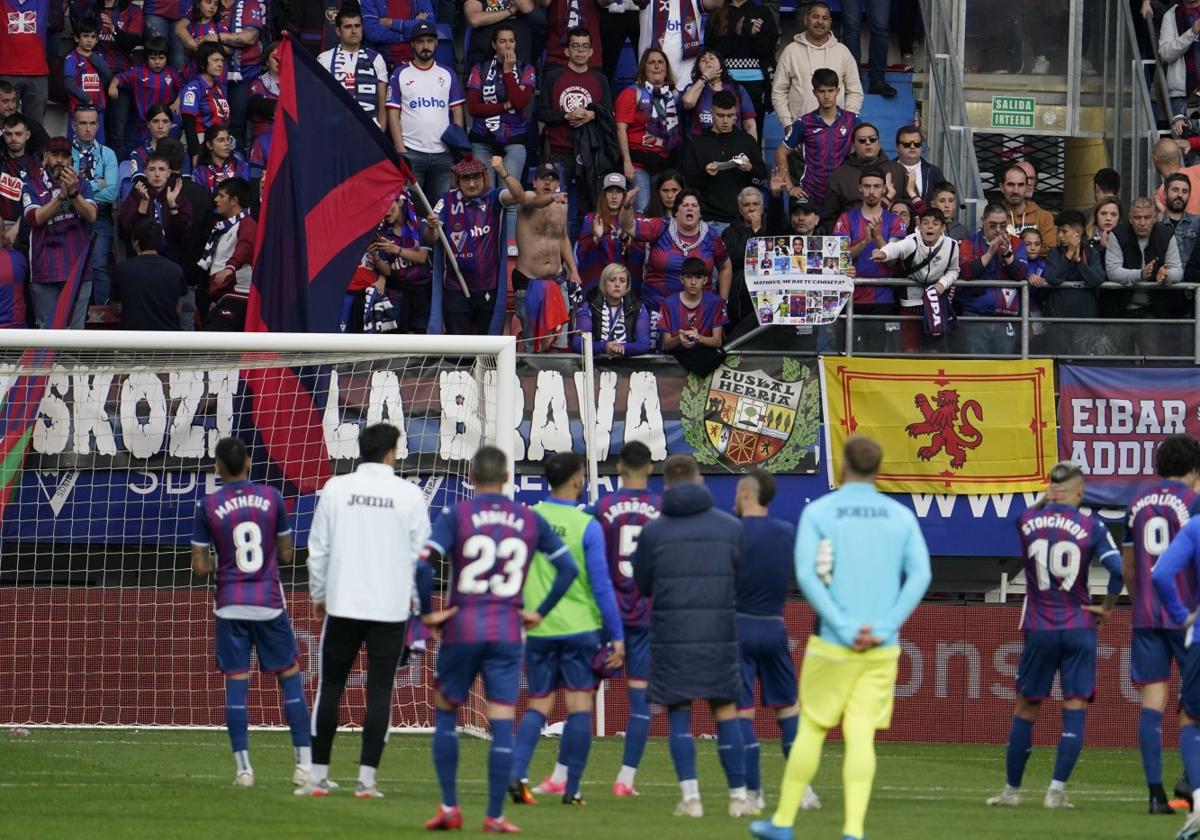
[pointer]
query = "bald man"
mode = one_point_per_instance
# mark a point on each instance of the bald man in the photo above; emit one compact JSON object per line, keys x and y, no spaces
{"x":1168,"y":159}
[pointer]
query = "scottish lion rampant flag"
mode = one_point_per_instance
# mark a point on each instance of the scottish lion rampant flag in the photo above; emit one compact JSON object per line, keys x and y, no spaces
{"x":330,"y":178}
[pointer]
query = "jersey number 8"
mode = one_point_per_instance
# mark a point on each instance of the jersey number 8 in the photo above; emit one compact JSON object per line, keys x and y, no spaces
{"x":247,"y":547}
{"x":483,"y":552}
{"x":1060,"y":560}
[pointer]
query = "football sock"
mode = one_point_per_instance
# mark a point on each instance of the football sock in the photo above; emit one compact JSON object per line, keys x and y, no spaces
{"x":637,"y":730}
{"x":732,"y":752}
{"x":303,"y":756}
{"x":751,"y":747}
{"x":500,"y":761}
{"x":626,"y":775}
{"x":527,"y":738}
{"x":1150,"y":743}
{"x":576,"y":742}
{"x":1020,"y":746}
{"x":237,"y":716}
{"x":445,"y":754}
{"x":683,"y":748}
{"x":858,"y":771}
{"x":1189,"y":750}
{"x":318,"y":774}
{"x":366,"y":775}
{"x":787,"y":732}
{"x":242,"y":759}
{"x":1070,"y":743}
{"x":559,"y":774}
{"x":296,"y":712}
{"x":802,"y":765}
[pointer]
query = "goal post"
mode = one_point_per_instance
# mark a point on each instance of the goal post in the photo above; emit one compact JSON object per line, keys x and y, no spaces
{"x":109,"y":440}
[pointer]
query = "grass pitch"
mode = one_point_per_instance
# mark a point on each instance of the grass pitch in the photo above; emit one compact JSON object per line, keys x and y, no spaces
{"x":176,"y":784}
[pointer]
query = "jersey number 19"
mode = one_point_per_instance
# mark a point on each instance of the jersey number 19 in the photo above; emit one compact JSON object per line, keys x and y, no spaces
{"x":1060,"y":561}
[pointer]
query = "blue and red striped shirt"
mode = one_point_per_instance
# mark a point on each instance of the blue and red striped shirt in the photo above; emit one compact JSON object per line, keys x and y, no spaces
{"x":208,"y":103}
{"x":13,"y":268}
{"x":490,"y":541}
{"x":1057,"y":544}
{"x":622,"y":515}
{"x":853,"y":224}
{"x":149,"y":88}
{"x":614,"y":247}
{"x":473,"y":227}
{"x":242,"y":520}
{"x":704,"y":317}
{"x":662,"y":276}
{"x":55,"y":247}
{"x":210,"y":176}
{"x":824,"y":146}
{"x":1155,"y":519}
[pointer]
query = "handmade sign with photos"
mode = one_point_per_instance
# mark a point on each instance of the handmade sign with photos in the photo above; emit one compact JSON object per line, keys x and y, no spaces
{"x":797,"y":280}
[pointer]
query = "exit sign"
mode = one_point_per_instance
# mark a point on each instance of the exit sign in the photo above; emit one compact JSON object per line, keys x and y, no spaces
{"x":1013,"y":111}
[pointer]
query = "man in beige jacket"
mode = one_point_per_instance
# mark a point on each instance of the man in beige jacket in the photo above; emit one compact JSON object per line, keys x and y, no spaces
{"x":812,"y":49}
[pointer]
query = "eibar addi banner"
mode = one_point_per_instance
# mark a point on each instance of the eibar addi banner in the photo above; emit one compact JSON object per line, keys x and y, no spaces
{"x":1113,"y":420}
{"x":945,"y":426}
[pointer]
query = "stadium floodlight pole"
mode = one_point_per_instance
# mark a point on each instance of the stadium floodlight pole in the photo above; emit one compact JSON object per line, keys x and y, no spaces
{"x":441,"y":237}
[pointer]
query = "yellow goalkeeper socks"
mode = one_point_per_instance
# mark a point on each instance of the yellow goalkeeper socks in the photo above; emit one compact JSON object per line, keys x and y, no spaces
{"x":802,"y":765}
{"x":858,"y":772}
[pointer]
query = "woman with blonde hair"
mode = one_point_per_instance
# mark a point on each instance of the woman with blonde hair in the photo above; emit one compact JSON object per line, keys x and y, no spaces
{"x":612,"y":317}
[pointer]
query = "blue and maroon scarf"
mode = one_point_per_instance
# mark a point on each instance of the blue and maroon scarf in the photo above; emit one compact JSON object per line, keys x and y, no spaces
{"x":689,"y":31}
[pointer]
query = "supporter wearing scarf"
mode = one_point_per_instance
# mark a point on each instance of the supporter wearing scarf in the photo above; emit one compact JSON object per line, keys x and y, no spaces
{"x":219,"y":229}
{"x":662,"y":117}
{"x":690,"y":24}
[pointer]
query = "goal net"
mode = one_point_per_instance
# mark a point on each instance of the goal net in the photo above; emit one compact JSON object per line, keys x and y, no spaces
{"x":107,"y":447}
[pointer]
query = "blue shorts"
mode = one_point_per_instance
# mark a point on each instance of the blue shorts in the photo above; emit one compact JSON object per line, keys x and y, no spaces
{"x":763,"y":654}
{"x":498,"y":662}
{"x":1152,"y":652}
{"x":1189,"y":683}
{"x":1070,"y":653}
{"x":560,"y":662}
{"x":272,"y":639}
{"x":637,"y":652}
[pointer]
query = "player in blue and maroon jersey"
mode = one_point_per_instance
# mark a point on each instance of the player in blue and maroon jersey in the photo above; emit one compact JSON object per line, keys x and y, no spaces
{"x":621,"y":516}
{"x":822,"y":139}
{"x":1059,"y":622}
{"x":248,"y":525}
{"x":1155,"y":517}
{"x":488,"y":543}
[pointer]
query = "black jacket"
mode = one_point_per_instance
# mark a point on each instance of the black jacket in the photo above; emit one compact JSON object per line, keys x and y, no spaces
{"x":1073,"y":303}
{"x":740,"y":305}
{"x":596,"y":151}
{"x":719,"y":193}
{"x":930,"y":177}
{"x":687,"y":560}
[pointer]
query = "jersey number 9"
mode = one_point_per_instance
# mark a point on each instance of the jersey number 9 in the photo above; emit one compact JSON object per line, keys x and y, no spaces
{"x":1060,"y":561}
{"x":1156,"y":536}
{"x":483,"y":552}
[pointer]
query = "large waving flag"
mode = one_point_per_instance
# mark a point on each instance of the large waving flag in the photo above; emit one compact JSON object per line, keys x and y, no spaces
{"x":946,"y":426}
{"x":19,"y":408}
{"x":329,"y":181}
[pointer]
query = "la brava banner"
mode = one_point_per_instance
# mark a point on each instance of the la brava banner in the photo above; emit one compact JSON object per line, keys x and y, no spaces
{"x":798,"y":280}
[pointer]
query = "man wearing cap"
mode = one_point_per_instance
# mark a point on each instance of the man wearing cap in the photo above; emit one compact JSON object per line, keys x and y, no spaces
{"x":423,"y":99}
{"x":471,"y":216}
{"x":543,"y":253}
{"x":58,"y":206}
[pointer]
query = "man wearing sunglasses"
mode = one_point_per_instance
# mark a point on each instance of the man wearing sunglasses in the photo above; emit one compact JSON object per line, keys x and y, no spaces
{"x":922,"y":175}
{"x":842,"y":194}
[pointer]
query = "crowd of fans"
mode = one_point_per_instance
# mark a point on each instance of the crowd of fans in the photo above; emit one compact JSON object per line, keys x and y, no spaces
{"x":629,"y":205}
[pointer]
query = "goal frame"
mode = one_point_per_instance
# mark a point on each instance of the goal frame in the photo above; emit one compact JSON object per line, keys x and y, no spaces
{"x":502,"y":348}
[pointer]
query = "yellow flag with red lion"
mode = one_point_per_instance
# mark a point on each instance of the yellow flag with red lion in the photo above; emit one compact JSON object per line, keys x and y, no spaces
{"x":946,"y":426}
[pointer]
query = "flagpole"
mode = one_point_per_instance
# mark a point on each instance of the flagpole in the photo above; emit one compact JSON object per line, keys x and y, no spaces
{"x":441,"y":237}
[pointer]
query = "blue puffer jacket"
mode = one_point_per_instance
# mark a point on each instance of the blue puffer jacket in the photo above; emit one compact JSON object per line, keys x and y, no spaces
{"x":687,"y":560}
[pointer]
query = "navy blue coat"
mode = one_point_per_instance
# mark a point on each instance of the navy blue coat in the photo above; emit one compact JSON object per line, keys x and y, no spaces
{"x":687,"y":561}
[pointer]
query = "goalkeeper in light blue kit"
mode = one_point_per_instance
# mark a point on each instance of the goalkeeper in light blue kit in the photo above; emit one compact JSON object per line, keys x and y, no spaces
{"x":862,"y":563}
{"x":1182,"y":559}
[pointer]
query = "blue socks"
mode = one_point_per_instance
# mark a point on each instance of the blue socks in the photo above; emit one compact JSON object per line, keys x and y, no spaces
{"x":1020,"y":745}
{"x":445,"y":754}
{"x":683,"y":748}
{"x":750,"y":740}
{"x":527,"y":738}
{"x":576,"y":743}
{"x":732,"y":751}
{"x":1189,"y":749}
{"x":500,"y":760}
{"x":1150,"y":743}
{"x":787,"y":733}
{"x":1070,"y":743}
{"x":637,"y":728}
{"x":295,"y":709}
{"x":237,"y":716}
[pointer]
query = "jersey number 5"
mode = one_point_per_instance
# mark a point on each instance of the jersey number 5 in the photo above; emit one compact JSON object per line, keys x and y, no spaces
{"x":627,"y":540}
{"x":483,"y":552}
{"x":1060,"y":561}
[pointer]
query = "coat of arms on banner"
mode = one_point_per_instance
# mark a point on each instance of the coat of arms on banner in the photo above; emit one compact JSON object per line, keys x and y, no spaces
{"x":740,"y":417}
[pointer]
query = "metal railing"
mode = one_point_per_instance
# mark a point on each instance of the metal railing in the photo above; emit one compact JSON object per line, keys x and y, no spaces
{"x":1029,"y":321}
{"x":948,"y":132}
{"x":1129,"y":107}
